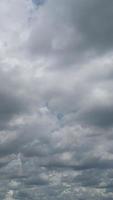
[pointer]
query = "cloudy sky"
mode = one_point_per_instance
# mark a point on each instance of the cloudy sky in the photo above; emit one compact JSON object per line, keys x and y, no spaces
{"x":56,"y":99}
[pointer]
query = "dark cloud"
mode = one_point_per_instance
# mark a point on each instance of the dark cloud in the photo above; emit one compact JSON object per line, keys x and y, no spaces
{"x":94,"y":163}
{"x":90,"y":178}
{"x":98,"y":116}
{"x":69,"y":34}
{"x":98,"y":28}
{"x":37,"y":181}
{"x":12,"y":104}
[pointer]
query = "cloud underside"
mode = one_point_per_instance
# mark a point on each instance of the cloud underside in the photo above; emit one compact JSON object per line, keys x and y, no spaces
{"x":56,"y":99}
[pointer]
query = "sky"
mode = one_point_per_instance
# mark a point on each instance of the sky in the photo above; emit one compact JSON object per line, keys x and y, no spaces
{"x":56,"y":100}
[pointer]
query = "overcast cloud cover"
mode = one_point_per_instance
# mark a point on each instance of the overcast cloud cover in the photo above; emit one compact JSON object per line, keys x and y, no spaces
{"x":56,"y":99}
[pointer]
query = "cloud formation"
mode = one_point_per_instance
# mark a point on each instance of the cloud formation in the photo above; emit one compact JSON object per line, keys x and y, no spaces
{"x":56,"y":101}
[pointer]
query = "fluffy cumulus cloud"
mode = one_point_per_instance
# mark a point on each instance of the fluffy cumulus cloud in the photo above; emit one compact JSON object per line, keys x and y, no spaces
{"x":56,"y":99}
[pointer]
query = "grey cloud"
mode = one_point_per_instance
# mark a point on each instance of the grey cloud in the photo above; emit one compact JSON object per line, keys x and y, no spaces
{"x":93,"y":163}
{"x":11,"y":103}
{"x":89,"y":178}
{"x":97,"y":29}
{"x":100,"y":116}
{"x":37,"y":181}
{"x":3,"y":163}
{"x":56,"y":110}
{"x":38,"y":2}
{"x":69,"y":34}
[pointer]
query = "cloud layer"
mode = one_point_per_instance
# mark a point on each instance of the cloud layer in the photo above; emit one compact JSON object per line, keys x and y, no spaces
{"x":56,"y":101}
